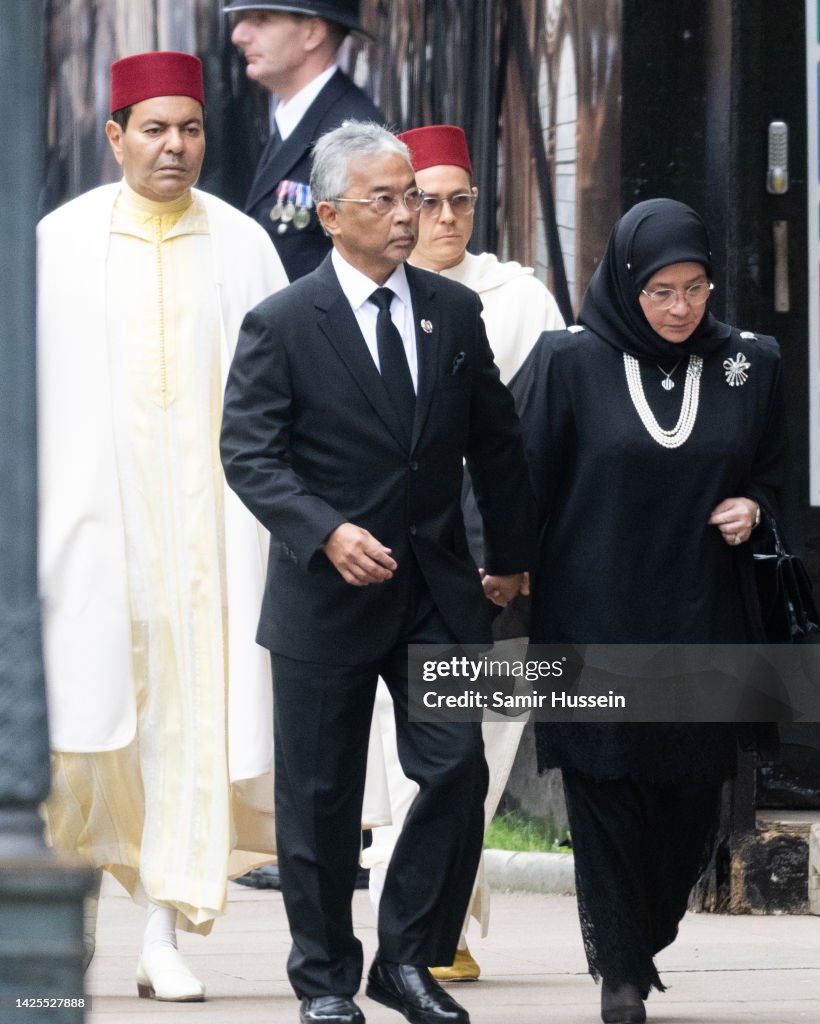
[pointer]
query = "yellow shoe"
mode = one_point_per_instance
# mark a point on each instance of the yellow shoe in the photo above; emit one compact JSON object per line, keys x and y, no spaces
{"x":463,"y":968}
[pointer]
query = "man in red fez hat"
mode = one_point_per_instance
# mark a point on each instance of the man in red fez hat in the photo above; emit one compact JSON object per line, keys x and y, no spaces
{"x":516,"y":308}
{"x":149,"y":566}
{"x":291,"y":50}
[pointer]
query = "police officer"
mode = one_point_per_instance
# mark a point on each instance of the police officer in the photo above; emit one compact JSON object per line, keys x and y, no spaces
{"x":291,"y":50}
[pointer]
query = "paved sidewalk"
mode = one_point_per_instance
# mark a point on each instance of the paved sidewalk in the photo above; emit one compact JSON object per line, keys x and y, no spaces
{"x":722,"y":970}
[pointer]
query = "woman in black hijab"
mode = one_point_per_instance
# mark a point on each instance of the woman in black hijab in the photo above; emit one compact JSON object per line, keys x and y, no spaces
{"x":654,"y":434}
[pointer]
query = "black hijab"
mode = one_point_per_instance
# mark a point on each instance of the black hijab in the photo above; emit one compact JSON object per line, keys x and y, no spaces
{"x":652,"y":235}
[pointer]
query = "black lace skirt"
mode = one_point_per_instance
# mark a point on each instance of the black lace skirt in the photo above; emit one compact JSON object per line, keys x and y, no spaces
{"x":639,"y":848}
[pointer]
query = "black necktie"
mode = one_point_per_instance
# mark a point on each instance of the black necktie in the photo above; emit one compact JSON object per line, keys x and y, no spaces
{"x":262,"y":181}
{"x":393,"y":362}
{"x":274,"y":139}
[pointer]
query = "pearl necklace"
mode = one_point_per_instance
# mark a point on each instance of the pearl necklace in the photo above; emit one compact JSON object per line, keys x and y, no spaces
{"x":679,"y":434}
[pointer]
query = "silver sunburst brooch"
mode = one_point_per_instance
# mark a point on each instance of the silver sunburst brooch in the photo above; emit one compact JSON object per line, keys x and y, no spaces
{"x":736,"y":368}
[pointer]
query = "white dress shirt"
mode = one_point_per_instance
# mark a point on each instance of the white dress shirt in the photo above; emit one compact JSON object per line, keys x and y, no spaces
{"x":358,"y":288}
{"x":290,"y":112}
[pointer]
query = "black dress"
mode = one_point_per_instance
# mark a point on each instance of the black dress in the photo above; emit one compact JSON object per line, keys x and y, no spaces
{"x":627,"y":556}
{"x":626,"y":552}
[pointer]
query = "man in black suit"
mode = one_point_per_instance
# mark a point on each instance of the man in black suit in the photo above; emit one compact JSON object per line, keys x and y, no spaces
{"x":290,"y":48}
{"x":353,"y":398}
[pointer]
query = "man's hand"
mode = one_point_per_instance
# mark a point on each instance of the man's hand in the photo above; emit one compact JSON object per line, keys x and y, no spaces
{"x":358,"y":556}
{"x":502,"y":589}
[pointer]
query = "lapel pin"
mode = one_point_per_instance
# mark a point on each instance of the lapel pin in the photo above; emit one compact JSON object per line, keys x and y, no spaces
{"x":426,"y":326}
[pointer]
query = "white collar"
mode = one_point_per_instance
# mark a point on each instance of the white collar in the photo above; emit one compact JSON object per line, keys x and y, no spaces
{"x":358,"y":287}
{"x":290,"y":112}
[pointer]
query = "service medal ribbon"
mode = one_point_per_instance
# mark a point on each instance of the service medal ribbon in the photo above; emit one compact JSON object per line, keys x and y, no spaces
{"x":301,"y":218}
{"x":279,"y":205}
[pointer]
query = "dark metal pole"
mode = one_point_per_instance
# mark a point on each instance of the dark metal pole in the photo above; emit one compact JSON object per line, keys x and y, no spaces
{"x":40,"y":897}
{"x":526,"y":74}
{"x":24,"y":763}
{"x":485,"y":130}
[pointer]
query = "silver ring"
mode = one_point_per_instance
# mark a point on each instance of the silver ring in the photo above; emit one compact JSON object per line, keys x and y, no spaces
{"x":736,"y":539}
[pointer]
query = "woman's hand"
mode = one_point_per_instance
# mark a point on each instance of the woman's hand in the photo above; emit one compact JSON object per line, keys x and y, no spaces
{"x":735,"y":518}
{"x":502,"y":589}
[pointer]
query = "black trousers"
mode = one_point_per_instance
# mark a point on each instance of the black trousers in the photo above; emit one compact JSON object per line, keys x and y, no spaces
{"x":639,"y":848}
{"x":321,"y":726}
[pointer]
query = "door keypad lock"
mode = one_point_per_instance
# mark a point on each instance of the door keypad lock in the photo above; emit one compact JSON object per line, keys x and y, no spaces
{"x":777,"y":176}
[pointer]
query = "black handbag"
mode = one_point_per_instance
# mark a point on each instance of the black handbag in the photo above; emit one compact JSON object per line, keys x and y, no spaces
{"x":783,"y":590}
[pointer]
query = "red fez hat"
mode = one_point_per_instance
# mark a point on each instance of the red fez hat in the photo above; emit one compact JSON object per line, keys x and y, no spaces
{"x":160,"y":73}
{"x":438,"y":144}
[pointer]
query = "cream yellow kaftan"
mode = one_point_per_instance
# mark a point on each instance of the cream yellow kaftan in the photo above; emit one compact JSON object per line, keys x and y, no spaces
{"x":158,"y":813}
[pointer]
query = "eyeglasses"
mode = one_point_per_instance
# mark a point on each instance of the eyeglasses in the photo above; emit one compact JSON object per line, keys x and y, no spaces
{"x":462,"y":204}
{"x":385,"y":203}
{"x":665,"y":298}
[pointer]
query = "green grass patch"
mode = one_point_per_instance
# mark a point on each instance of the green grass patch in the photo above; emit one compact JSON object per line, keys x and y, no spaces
{"x":515,"y":831}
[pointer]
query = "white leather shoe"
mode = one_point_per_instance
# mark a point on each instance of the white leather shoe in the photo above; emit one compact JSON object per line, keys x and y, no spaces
{"x":162,"y":974}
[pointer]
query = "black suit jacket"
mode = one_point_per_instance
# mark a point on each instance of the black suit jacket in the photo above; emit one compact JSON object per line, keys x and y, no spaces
{"x":303,"y":250}
{"x":310,"y":441}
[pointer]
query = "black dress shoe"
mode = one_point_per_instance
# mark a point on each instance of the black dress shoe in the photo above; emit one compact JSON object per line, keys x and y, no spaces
{"x":622,"y":1004}
{"x":330,"y":1010}
{"x":267,"y":877}
{"x":414,"y":992}
{"x":264,"y":877}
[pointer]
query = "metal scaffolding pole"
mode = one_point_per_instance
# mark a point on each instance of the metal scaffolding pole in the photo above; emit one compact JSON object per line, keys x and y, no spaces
{"x":40,"y":896}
